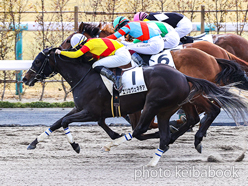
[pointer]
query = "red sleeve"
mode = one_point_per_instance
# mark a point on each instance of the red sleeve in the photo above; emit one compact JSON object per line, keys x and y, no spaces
{"x":112,"y":36}
{"x":85,"y":49}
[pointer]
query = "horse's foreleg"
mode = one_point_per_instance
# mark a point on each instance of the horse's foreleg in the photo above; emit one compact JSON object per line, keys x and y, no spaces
{"x":164,"y":132}
{"x":82,"y":116}
{"x":47,"y":133}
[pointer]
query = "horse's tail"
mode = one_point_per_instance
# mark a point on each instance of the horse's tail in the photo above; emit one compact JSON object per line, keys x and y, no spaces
{"x":231,"y":102}
{"x":231,"y":72}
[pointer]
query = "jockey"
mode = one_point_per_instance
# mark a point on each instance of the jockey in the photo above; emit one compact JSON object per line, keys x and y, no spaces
{"x":167,"y":32}
{"x":114,"y":53}
{"x":181,"y":23}
{"x":151,"y":41}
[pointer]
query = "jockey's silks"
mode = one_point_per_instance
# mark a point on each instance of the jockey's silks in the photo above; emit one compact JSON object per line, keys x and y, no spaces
{"x":97,"y":46}
{"x":137,"y":29}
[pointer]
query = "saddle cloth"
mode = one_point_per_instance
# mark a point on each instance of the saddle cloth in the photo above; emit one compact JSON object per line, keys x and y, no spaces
{"x":132,"y":80}
{"x":163,"y":57}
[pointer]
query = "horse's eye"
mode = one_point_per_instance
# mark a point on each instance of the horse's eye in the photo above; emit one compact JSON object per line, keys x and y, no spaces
{"x":68,"y":41}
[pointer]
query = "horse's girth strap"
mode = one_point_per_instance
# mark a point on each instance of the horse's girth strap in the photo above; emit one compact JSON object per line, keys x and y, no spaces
{"x":115,"y":108}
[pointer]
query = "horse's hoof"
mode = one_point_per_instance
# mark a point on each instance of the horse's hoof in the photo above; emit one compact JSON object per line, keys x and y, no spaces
{"x":31,"y":147}
{"x":75,"y":147}
{"x":105,"y":149}
{"x":199,"y":148}
{"x":151,"y":165}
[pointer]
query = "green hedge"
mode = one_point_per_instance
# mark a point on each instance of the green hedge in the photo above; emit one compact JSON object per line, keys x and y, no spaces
{"x":38,"y":104}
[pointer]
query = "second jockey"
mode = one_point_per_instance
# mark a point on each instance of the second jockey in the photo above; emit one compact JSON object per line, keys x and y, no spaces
{"x":181,"y":23}
{"x":150,"y":40}
{"x":167,"y":32}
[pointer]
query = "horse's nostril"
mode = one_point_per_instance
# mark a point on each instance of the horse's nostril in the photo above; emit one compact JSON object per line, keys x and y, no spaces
{"x":24,"y":79}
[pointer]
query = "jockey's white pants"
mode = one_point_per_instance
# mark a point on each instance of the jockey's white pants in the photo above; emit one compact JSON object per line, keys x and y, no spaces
{"x":121,"y":57}
{"x":171,"y":39}
{"x":184,"y":27}
{"x":153,"y":46}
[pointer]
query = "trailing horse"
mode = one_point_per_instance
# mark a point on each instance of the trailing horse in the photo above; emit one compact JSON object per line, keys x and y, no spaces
{"x":233,"y":43}
{"x":166,"y":90}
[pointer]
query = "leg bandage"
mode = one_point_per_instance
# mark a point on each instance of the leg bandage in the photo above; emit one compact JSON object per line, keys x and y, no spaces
{"x":44,"y":135}
{"x":68,"y":135}
{"x":118,"y":141}
{"x":156,"y":158}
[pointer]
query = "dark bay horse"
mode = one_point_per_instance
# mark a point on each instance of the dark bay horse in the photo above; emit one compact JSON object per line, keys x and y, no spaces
{"x":194,"y":63}
{"x":167,"y":90}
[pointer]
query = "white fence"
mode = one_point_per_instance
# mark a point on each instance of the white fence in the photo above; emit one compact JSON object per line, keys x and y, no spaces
{"x":15,"y":64}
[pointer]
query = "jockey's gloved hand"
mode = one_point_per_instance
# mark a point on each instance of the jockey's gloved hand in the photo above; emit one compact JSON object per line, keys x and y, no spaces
{"x":57,"y":51}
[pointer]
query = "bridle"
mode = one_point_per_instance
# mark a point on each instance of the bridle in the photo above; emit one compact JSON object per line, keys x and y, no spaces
{"x":39,"y":74}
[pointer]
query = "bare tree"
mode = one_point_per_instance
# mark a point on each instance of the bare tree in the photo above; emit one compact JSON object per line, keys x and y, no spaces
{"x":161,"y":4}
{"x":6,"y":40}
{"x":110,"y":7}
{"x":220,"y":14}
{"x":95,"y":4}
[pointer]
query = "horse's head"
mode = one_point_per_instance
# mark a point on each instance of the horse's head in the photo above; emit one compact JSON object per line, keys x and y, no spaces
{"x":90,"y":31}
{"x":41,"y":68}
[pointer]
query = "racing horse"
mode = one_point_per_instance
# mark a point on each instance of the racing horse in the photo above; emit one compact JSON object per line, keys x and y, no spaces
{"x":167,"y":89}
{"x":233,"y":43}
{"x":195,"y":64}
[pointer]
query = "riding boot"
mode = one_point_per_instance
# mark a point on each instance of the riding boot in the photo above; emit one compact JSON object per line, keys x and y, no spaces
{"x":137,"y":59}
{"x":111,"y":76}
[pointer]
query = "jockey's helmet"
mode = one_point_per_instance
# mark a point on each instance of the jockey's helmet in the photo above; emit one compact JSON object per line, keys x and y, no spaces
{"x":120,"y":22}
{"x":140,"y":16}
{"x":78,"y":39}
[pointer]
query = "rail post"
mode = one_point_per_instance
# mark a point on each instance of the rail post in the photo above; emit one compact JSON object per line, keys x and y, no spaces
{"x":75,"y":18}
{"x":202,"y":18}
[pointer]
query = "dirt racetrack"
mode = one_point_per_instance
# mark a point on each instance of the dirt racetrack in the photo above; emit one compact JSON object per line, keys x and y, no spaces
{"x":54,"y":162}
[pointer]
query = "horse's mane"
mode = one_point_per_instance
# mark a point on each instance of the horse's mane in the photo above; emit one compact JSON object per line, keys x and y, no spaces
{"x":108,"y":28}
{"x":92,"y":29}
